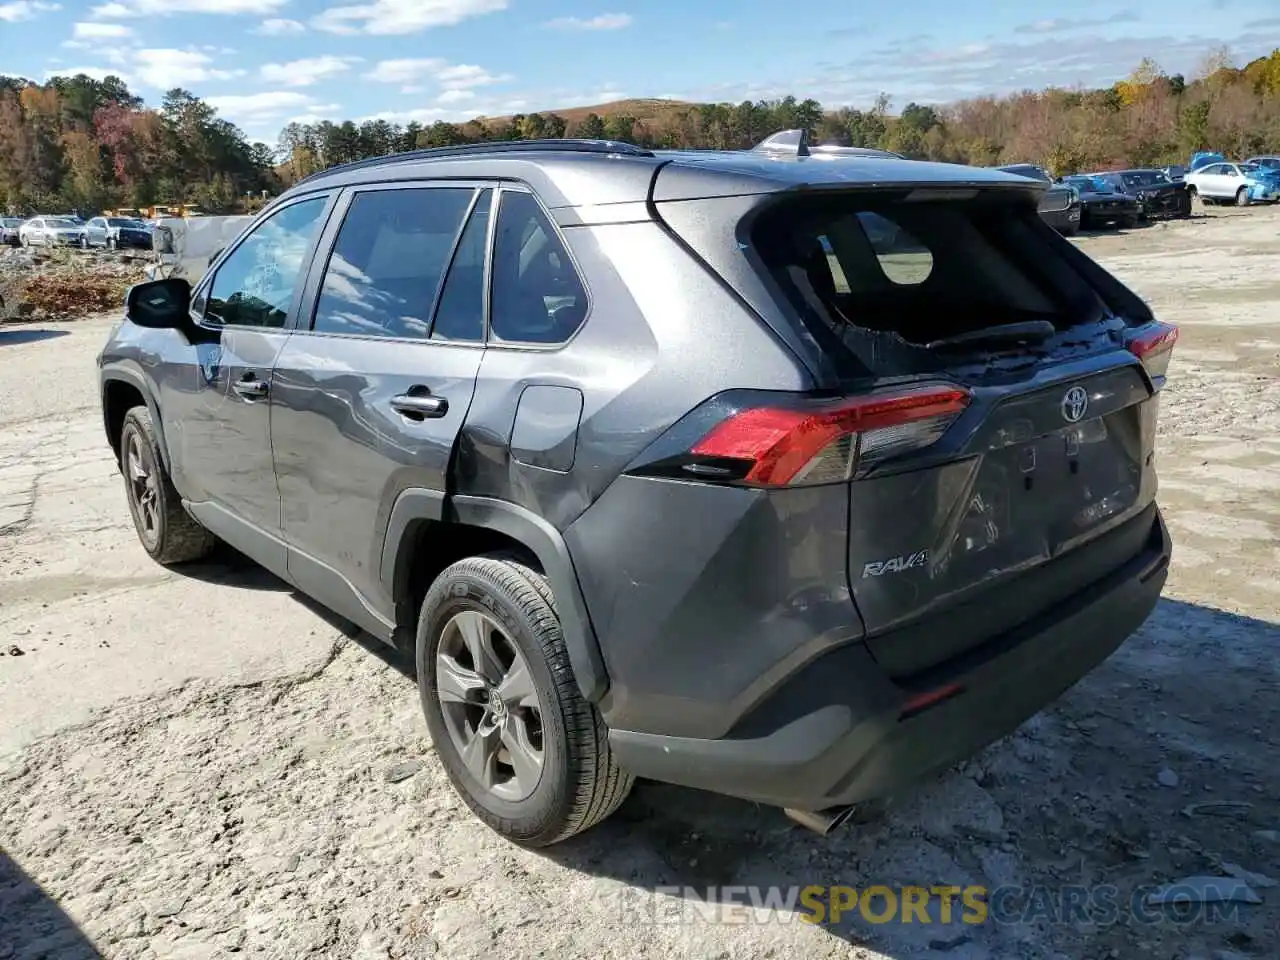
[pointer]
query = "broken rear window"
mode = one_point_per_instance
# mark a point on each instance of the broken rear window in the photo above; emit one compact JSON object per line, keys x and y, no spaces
{"x":917,"y":273}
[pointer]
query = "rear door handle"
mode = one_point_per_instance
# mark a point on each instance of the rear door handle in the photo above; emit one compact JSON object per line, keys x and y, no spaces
{"x":420,"y":406}
{"x":250,"y":387}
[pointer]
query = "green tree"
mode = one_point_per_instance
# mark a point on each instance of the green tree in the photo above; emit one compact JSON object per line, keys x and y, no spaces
{"x":591,"y":128}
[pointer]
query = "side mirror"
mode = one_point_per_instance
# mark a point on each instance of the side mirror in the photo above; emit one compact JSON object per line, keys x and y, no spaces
{"x":165,"y":305}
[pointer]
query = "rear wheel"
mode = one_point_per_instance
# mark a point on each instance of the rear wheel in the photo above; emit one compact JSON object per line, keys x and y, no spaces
{"x":1242,"y":197}
{"x":167,"y":532}
{"x":525,"y":751}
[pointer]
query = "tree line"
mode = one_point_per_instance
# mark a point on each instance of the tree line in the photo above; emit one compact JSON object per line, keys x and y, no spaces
{"x":88,"y":144}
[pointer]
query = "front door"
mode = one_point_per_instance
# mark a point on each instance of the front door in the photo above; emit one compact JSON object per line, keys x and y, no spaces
{"x":370,"y":393}
{"x":215,"y":403}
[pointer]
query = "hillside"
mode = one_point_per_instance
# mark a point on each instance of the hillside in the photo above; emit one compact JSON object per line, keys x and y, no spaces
{"x":652,"y":113}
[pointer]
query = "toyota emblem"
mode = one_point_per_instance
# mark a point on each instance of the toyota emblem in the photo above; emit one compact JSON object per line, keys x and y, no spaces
{"x":1074,"y":404}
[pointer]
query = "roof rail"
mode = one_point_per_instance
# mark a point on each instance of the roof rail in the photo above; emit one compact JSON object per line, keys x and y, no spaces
{"x":485,"y":148}
{"x":794,"y":143}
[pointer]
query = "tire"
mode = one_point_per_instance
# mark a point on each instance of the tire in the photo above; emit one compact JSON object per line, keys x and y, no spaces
{"x":578,"y":783}
{"x":166,"y":531}
{"x":1242,"y":197}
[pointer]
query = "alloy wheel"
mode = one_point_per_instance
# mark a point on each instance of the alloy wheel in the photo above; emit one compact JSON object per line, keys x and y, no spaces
{"x":143,"y":488}
{"x":490,"y":705}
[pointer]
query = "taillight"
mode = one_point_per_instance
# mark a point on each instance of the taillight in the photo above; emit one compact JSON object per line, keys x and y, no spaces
{"x":776,"y":446}
{"x":1153,"y":345}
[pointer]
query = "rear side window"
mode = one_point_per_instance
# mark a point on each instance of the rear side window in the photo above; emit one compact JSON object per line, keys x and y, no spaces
{"x":388,"y":261}
{"x":536,"y":295}
{"x":922,"y":271}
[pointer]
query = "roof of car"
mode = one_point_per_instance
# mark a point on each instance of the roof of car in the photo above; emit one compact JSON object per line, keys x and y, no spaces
{"x":568,"y":173}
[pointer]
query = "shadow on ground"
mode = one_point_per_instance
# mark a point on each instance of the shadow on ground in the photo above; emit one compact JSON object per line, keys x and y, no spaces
{"x":30,"y":918}
{"x":1071,"y":798}
{"x":227,"y":566}
{"x":12,"y":338}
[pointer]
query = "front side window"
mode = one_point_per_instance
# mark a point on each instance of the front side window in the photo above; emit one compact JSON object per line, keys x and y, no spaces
{"x":254,"y":286}
{"x":389,"y":260}
{"x":536,"y":296}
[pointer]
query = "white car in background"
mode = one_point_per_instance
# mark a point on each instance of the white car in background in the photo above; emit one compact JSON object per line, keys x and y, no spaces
{"x":9,"y":227}
{"x":1238,"y":183}
{"x":52,"y":232}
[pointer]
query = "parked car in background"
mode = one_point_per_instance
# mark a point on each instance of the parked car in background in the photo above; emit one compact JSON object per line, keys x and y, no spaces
{"x":1157,"y":195}
{"x":863,"y":501}
{"x":9,"y":227}
{"x":1059,"y":205}
{"x":1102,"y":204}
{"x":113,"y":232}
{"x":1238,"y":183}
{"x":52,"y":232}
{"x":1270,"y":162}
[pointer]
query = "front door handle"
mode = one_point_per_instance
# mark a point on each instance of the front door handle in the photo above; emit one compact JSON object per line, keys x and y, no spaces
{"x":420,"y":406}
{"x":250,"y":387}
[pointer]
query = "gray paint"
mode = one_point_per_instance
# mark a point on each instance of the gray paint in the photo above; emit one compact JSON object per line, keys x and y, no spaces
{"x":545,"y":432}
{"x":696,"y":615}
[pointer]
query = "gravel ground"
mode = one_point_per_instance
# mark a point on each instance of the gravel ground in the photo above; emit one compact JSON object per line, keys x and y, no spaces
{"x":204,"y":765}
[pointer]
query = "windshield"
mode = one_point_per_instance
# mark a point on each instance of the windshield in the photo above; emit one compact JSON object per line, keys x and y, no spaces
{"x":1096,"y":184}
{"x":11,"y":221}
{"x":124,"y":222}
{"x":58,"y":223}
{"x":1144,"y":178}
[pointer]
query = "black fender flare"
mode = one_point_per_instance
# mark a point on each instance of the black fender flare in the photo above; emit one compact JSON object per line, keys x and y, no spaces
{"x":543,"y":541}
{"x":139,"y":381}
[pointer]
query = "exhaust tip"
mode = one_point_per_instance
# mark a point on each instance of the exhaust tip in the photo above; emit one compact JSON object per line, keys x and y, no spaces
{"x":821,"y":822}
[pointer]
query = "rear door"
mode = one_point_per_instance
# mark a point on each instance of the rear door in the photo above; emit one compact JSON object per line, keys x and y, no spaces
{"x":371,"y":390}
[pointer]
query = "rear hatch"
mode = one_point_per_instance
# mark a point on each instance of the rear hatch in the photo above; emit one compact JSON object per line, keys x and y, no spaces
{"x":989,"y":402}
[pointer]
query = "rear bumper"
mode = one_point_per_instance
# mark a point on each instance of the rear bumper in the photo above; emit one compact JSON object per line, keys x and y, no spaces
{"x":841,"y":731}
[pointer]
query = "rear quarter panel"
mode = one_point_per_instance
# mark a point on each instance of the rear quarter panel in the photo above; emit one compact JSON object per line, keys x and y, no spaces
{"x":661,"y":336}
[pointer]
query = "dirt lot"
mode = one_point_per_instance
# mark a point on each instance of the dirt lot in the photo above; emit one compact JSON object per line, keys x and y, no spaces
{"x":200,"y":764}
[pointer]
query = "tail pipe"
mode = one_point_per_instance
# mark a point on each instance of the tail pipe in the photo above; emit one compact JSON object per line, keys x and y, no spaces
{"x":821,"y":822}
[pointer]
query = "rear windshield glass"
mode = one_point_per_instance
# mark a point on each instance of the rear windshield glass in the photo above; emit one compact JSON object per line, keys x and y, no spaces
{"x":919,"y":272}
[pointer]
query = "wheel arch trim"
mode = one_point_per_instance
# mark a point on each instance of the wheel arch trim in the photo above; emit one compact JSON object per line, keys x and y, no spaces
{"x":119,"y":373}
{"x":542,"y":539}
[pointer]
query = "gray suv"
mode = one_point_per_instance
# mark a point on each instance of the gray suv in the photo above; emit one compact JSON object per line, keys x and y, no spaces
{"x":790,"y":477}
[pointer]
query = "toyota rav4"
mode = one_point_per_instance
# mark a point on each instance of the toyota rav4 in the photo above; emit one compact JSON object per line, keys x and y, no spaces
{"x":791,"y":476}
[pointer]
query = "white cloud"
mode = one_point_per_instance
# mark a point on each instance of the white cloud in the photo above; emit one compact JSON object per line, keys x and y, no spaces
{"x":119,"y":9}
{"x":257,"y":110}
{"x":411,"y":74}
{"x":25,"y":10}
{"x":100,"y":31}
{"x":276,"y":27}
{"x":96,"y":73}
{"x":305,"y":72}
{"x":456,"y":96}
{"x":165,"y":68}
{"x":402,"y":16}
{"x":605,"y":21}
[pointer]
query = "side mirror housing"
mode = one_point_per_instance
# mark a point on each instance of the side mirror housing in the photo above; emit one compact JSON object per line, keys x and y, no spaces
{"x":165,"y":305}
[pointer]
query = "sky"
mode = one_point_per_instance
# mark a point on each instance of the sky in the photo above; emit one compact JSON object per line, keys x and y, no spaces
{"x":264,"y":63}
